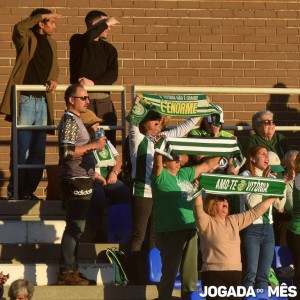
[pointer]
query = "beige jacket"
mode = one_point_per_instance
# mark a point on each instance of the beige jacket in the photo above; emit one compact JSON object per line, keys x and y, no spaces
{"x":25,"y":43}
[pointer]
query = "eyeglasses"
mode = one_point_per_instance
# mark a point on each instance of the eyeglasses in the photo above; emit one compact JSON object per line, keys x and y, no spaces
{"x":267,"y":122}
{"x":83,"y":98}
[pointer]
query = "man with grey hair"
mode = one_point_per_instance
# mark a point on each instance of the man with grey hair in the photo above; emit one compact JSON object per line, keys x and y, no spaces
{"x":265,"y":135}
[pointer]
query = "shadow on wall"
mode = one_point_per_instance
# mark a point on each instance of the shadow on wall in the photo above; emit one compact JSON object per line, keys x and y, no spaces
{"x":284,"y":115}
{"x":243,"y":136}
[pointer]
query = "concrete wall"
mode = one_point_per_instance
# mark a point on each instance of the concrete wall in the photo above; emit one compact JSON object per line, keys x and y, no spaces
{"x":185,"y":43}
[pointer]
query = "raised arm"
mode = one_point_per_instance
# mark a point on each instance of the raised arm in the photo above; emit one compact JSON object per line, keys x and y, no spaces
{"x":157,"y":164}
{"x":201,"y":218}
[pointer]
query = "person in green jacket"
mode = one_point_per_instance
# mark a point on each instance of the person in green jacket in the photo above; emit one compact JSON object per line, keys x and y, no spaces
{"x":265,"y":135}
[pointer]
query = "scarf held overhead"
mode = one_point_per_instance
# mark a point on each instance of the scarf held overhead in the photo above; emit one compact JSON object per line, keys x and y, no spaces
{"x":223,"y":147}
{"x":230,"y":184}
{"x":177,"y":105}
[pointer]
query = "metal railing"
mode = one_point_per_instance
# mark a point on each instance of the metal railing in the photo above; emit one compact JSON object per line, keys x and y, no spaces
{"x":60,"y":88}
{"x":221,"y":90}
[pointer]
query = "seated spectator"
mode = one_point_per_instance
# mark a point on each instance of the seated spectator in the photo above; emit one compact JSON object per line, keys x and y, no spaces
{"x":211,"y":126}
{"x":220,"y":239}
{"x":266,"y":135}
{"x":174,"y":223}
{"x":279,"y":215}
{"x":108,"y":189}
{"x":288,"y":163}
{"x":21,"y":289}
{"x":293,"y":230}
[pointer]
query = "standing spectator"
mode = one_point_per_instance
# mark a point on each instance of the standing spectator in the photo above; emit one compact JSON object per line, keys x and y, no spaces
{"x":77,"y":161}
{"x":211,"y":126}
{"x":220,"y":239}
{"x":265,"y":135}
{"x":21,"y":289}
{"x":142,"y":138}
{"x":293,"y":230}
{"x":94,"y":61}
{"x":174,"y":223}
{"x":257,"y":240}
{"x":36,"y":63}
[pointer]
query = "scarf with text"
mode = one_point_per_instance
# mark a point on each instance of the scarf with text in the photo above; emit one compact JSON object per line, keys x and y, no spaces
{"x":176,"y":105}
{"x":230,"y":184}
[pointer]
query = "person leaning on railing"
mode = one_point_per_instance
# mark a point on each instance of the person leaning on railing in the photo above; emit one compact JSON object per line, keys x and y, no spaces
{"x":36,"y":64}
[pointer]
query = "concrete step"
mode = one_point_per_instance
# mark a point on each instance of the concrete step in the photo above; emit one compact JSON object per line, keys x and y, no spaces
{"x":45,"y":231}
{"x":46,"y":273}
{"x":41,"y":253}
{"x":28,"y":209}
{"x":107,"y":292}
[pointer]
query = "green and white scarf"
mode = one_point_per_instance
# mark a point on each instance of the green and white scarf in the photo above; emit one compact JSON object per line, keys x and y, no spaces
{"x":104,"y":157}
{"x":176,"y":105}
{"x":230,"y":184}
{"x":223,"y":147}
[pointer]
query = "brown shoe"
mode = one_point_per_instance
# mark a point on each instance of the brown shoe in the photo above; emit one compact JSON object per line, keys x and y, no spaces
{"x":72,"y":277}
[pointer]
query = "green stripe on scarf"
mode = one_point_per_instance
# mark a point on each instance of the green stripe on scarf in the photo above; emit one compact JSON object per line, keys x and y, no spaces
{"x":208,"y":146}
{"x":229,"y":184}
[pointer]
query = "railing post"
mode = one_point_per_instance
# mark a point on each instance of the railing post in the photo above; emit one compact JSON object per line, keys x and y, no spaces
{"x":14,"y":146}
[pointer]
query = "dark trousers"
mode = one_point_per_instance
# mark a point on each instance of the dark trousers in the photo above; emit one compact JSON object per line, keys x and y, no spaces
{"x":76,"y":200}
{"x":142,"y":238}
{"x":178,"y":251}
{"x":105,"y":110}
{"x":221,"y":278}
{"x":141,"y":219}
{"x":293,"y":242}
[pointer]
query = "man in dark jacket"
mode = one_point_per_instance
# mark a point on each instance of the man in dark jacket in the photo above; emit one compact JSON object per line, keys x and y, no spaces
{"x":94,"y":61}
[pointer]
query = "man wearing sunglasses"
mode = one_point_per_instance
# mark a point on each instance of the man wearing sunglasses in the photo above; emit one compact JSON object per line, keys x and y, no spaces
{"x":265,"y":135}
{"x":78,"y":172}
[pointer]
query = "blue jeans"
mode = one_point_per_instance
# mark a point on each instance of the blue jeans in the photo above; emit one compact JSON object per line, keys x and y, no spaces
{"x":257,"y":249}
{"x":31,"y":144}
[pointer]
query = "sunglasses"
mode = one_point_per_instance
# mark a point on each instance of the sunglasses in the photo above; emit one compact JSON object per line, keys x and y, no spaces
{"x":83,"y":98}
{"x":267,"y":122}
{"x":221,"y":198}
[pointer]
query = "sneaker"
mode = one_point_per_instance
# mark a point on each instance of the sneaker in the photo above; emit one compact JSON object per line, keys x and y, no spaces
{"x":72,"y":278}
{"x":31,"y":197}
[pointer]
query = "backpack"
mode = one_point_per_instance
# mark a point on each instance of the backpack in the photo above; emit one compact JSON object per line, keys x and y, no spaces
{"x":273,"y":281}
{"x":117,"y":258}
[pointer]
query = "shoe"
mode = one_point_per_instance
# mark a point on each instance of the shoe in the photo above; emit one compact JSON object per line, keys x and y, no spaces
{"x":30,"y":197}
{"x":10,"y":196}
{"x":91,"y":281}
{"x":72,"y":277}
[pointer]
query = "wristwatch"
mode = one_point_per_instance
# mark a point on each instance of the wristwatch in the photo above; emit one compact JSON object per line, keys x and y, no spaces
{"x":116,"y":172}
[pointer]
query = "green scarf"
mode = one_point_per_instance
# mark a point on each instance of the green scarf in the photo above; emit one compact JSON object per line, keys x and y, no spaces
{"x":104,"y":157}
{"x":177,"y":105}
{"x":229,"y":184}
